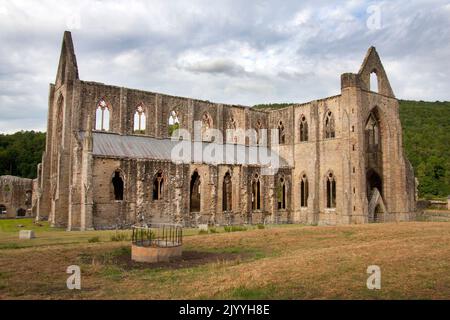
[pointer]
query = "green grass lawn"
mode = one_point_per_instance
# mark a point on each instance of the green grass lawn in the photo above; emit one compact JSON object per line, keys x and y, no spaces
{"x":15,"y":225}
{"x":46,"y":235}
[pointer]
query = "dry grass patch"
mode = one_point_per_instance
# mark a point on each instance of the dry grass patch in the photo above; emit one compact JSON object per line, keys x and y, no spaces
{"x":295,"y":262}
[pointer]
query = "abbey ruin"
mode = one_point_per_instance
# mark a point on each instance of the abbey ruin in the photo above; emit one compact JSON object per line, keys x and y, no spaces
{"x":109,"y":161}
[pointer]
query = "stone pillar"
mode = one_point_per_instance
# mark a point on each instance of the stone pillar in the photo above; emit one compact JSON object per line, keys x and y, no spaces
{"x":87,"y":201}
{"x":140,"y":189}
{"x":123,"y":113}
{"x":315,"y":190}
{"x":178,"y":193}
{"x":213,"y":186}
{"x":158,"y":116}
{"x":271,"y":209}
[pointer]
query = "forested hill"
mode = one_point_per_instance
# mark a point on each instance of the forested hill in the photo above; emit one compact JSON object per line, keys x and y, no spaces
{"x":21,"y":152}
{"x":426,"y":136}
{"x":426,"y":139}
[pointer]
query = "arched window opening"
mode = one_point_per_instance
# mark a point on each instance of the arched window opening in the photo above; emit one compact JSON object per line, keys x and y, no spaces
{"x":195,"y":192}
{"x":281,"y":194}
{"x":21,"y":212}
{"x":139,"y":120}
{"x":227,"y":194}
{"x":372,"y":133}
{"x":102,"y":116}
{"x":373,"y":181}
{"x":303,"y":129}
{"x":373,"y":82}
{"x":2,"y":209}
{"x":304,"y":191}
{"x":329,"y":126}
{"x":256,"y":193}
{"x":174,"y":122}
{"x":281,"y":133}
{"x":117,"y":183}
{"x":158,"y":185}
{"x":331,"y":191}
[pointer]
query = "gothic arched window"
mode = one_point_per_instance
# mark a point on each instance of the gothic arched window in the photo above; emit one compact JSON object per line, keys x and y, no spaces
{"x":158,"y":184}
{"x":373,"y":85}
{"x":281,"y":133}
{"x":174,"y":122}
{"x":372,"y":133}
{"x":281,"y":194}
{"x":329,"y":126}
{"x":304,"y":191}
{"x":227,"y":194}
{"x":195,"y":195}
{"x":102,"y":116}
{"x":303,"y":129}
{"x":331,"y":191}
{"x":256,"y":193}
{"x":117,"y":183}
{"x":139,"y":120}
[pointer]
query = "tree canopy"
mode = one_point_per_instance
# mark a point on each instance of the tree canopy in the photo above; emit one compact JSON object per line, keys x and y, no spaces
{"x":20,"y":153}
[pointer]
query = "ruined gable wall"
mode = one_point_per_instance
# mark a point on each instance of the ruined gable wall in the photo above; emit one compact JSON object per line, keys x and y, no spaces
{"x":398,"y":181}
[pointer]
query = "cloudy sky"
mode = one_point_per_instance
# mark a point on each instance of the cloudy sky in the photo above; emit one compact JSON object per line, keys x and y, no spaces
{"x":240,"y":52}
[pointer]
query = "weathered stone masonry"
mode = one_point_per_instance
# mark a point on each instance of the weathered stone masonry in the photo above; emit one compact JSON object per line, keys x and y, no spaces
{"x":107,"y":162}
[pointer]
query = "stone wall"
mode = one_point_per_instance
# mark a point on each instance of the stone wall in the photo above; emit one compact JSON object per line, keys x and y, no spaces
{"x":16,"y":197}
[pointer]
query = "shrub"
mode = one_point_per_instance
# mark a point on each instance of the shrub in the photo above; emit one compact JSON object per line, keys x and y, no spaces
{"x":261,"y":226}
{"x":94,"y":239}
{"x":213,"y":230}
{"x":238,"y":228}
{"x":203,"y":232}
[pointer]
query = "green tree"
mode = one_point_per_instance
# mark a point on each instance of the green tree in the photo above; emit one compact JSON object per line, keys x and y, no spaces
{"x":21,"y":152}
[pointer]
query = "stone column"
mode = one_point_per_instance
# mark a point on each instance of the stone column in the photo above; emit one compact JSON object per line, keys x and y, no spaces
{"x":87,"y":201}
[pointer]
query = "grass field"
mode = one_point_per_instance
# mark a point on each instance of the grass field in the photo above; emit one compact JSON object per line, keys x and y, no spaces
{"x":278,"y":262}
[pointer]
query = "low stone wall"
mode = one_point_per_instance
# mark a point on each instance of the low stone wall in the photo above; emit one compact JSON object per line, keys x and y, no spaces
{"x":155,"y":254}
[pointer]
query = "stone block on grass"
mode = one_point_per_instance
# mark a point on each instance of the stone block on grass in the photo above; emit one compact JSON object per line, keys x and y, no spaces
{"x":26,"y":234}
